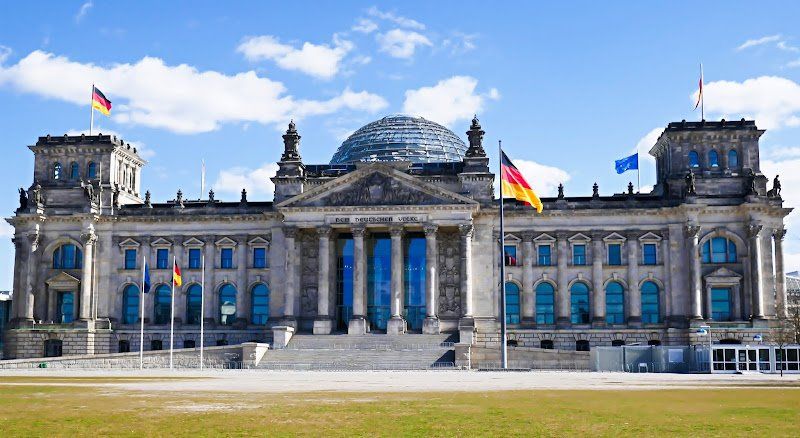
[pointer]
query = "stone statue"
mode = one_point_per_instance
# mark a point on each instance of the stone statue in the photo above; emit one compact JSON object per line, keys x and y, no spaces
{"x":244,"y":197}
{"x":595,"y":190}
{"x":179,"y":199}
{"x":37,"y":195}
{"x":560,"y":191}
{"x":691,"y":184}
{"x":211,"y":196}
{"x":776,"y":188}
{"x":88,"y":190}
{"x":753,"y":190}
{"x":630,"y":188}
{"x":147,"y":201}
{"x":115,"y":197}
{"x":23,"y":200}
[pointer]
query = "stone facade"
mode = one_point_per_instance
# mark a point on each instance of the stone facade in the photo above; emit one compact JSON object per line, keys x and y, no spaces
{"x":656,"y":247}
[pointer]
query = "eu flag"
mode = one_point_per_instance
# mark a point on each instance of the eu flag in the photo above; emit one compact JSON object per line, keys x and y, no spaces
{"x":627,"y":163}
{"x":146,"y":277}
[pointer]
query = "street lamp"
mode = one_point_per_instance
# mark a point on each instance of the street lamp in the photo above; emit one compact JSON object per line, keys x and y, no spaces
{"x":706,"y":329}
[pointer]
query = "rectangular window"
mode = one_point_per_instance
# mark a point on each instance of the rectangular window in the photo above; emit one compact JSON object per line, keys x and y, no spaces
{"x":579,"y":255}
{"x":66,"y":307}
{"x":259,"y":257}
{"x":195,"y":258}
{"x":614,"y":254}
{"x":649,"y":253}
{"x":226,"y":258}
{"x":510,"y":255}
{"x":545,"y":256}
{"x":721,"y":304}
{"x":130,"y":259}
{"x":162,"y":258}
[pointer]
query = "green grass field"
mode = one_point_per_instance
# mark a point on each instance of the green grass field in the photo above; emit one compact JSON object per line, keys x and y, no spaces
{"x":27,"y":409}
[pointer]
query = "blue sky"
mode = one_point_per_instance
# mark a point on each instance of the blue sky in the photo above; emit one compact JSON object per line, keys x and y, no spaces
{"x":568,"y":88}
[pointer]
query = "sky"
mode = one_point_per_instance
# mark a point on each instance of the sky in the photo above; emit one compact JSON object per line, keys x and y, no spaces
{"x":567,"y":87}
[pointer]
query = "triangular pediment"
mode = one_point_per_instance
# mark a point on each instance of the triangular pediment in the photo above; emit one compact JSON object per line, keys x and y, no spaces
{"x":193,"y":243}
{"x":376,"y":184}
{"x":723,"y":272}
{"x":258,"y":241}
{"x":62,"y":280}
{"x":579,"y":237}
{"x":225,"y":241}
{"x":161,"y":242}
{"x":614,"y":237}
{"x":544,"y":238}
{"x":510,"y":238}
{"x":650,"y":236}
{"x":129,"y":243}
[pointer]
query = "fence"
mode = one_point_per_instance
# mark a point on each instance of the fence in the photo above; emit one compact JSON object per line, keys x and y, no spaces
{"x":650,"y":359}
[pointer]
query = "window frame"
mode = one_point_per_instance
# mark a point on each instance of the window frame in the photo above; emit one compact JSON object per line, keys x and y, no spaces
{"x":192,"y":262}
{"x":646,"y":315}
{"x":576,"y":317}
{"x":735,"y":154}
{"x":127,"y":305}
{"x":575,"y":256}
{"x":616,"y":317}
{"x":645,"y":261}
{"x":130,"y":256}
{"x":159,"y":252}
{"x":60,"y":257}
{"x":713,"y":159}
{"x":694,"y":164}
{"x":263,"y":260}
{"x":547,"y":315}
{"x":57,"y":171}
{"x":223,"y":291}
{"x":261,"y":318}
{"x":618,"y":256}
{"x":74,"y":171}
{"x":222,"y":259}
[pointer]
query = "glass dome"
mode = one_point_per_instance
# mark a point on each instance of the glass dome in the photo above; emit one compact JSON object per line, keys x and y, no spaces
{"x":401,"y":138}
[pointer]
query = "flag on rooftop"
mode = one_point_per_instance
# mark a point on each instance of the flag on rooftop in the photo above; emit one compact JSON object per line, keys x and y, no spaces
{"x":628,"y":163}
{"x":100,"y":102}
{"x":515,"y":185}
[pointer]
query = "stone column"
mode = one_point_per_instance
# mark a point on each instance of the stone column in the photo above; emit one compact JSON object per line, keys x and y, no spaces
{"x":781,"y":301}
{"x":322,"y":323}
{"x":634,"y":299}
{"x":396,"y":325}
{"x":22,"y":304}
{"x":85,"y":309}
{"x":466,"y":231}
{"x":290,"y":291}
{"x":243,"y":293}
{"x":696,"y":287}
{"x":358,"y":323}
{"x":599,"y":293}
{"x":528,"y":294}
{"x":562,"y":302}
{"x":209,"y":304}
{"x":757,"y":271}
{"x":431,"y":323}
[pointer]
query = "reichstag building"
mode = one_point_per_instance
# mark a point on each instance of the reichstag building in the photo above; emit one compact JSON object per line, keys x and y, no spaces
{"x":398,"y":234}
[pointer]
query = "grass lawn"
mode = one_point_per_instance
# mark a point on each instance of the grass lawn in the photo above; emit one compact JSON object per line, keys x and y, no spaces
{"x":42,"y":410}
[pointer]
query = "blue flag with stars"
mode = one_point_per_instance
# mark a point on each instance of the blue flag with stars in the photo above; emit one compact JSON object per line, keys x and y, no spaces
{"x":145,"y":277}
{"x":628,"y":163}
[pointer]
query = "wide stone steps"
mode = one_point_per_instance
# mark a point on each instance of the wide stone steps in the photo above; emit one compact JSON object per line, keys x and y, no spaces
{"x":371,"y":342}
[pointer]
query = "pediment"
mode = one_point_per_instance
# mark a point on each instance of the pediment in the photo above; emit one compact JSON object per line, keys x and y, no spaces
{"x":510,"y":238}
{"x":544,"y":238}
{"x":193,"y":243}
{"x":161,"y":242}
{"x":723,"y":273}
{"x":62,"y":280}
{"x":376,"y":185}
{"x":129,"y":243}
{"x":579,"y":237}
{"x":225,"y":241}
{"x":258,"y":241}
{"x":650,"y":237}
{"x":614,"y":237}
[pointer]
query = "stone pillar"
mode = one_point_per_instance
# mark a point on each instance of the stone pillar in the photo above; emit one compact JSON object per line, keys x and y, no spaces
{"x":289,"y":315}
{"x":599,"y":293}
{"x":358,"y":323}
{"x":562,"y":302}
{"x":322,"y":323}
{"x":528,"y":294}
{"x":756,"y":271}
{"x":466,"y":231}
{"x":243,"y":293}
{"x":634,"y":299}
{"x":396,"y":325}
{"x":431,"y":323}
{"x":24,"y":266}
{"x":209,"y":309}
{"x":781,"y":301}
{"x":85,"y":309}
{"x":696,"y":287}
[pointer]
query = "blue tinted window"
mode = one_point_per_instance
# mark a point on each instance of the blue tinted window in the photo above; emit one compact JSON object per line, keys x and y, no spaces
{"x":650,"y":303}
{"x":713,"y":159}
{"x":67,"y":256}
{"x":579,"y":303}
{"x":379,"y":274}
{"x":579,"y":255}
{"x":510,"y":255}
{"x":718,"y":250}
{"x":130,"y":259}
{"x":545,"y":303}
{"x":227,"y":305}
{"x":259,"y":257}
{"x":162,"y":304}
{"x":226,"y":258}
{"x":130,"y":304}
{"x":259,"y":303}
{"x":194,"y":297}
{"x":545,"y":257}
{"x":414,"y":281}
{"x":66,"y":307}
{"x":57,"y":171}
{"x":344,"y":281}
{"x":694,"y":159}
{"x":91,"y":171}
{"x":614,"y":254}
{"x":721,"y":304}
{"x":162,"y":258}
{"x":74,"y":171}
{"x":649,"y":256}
{"x":615,"y":303}
{"x":195,"y":259}
{"x":733,"y":158}
{"x":512,"y":303}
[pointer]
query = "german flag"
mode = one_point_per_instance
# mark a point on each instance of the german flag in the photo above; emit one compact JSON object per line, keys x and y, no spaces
{"x":176,"y":274}
{"x":99,"y":101}
{"x":515,"y":186}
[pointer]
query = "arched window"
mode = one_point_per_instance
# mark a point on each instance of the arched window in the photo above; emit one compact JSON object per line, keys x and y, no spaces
{"x":512,"y":303}
{"x":227,"y":304}
{"x":719,"y":250}
{"x":74,"y":171}
{"x":582,"y":345}
{"x":694,"y":159}
{"x":713,"y":158}
{"x":57,"y":171}
{"x":130,"y":304}
{"x":733,"y":158}
{"x":546,"y":344}
{"x":194,"y":297}
{"x":91,"y":170}
{"x":579,"y":303}
{"x":162,"y":305}
{"x":615,"y":303}
{"x":650,"y":303}
{"x":67,"y":256}
{"x":545,"y":303}
{"x":259,"y":302}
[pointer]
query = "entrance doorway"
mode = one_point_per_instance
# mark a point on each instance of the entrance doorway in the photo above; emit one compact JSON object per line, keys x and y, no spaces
{"x":379,"y":280}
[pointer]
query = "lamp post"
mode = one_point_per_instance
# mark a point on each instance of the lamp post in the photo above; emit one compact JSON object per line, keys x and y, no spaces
{"x":706,"y":329}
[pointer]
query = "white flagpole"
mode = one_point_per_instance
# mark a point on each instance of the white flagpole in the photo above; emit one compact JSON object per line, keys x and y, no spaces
{"x":141,"y":315}
{"x":638,"y":180}
{"x":202,"y":305}
{"x":503,"y":328}
{"x":203,"y":179}
{"x":91,"y":111}
{"x":172,"y":314}
{"x":702,"y":95}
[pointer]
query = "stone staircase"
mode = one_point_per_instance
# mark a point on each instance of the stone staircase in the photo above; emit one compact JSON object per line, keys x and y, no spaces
{"x":365,"y":352}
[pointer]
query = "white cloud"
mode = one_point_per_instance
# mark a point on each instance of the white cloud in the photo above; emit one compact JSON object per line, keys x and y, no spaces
{"x":178,"y":98}
{"x":646,"y":143}
{"x":783,"y":45}
{"x":789,"y":171}
{"x":543,"y":179}
{"x":365,"y":25}
{"x":459,"y":43}
{"x":5,"y":52}
{"x":256,"y":181}
{"x":759,"y":41}
{"x":396,"y":19}
{"x":142,"y":149}
{"x":83,"y":11}
{"x":321,"y":61}
{"x":399,"y":43}
{"x":772,"y":101}
{"x":448,"y":101}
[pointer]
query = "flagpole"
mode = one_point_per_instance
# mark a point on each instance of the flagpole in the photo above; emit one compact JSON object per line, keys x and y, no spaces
{"x":702,"y":97}
{"x":202,"y":305}
{"x":503,"y":348}
{"x":141,"y":316}
{"x":202,"y":178}
{"x":638,"y":180}
{"x":172,"y":314}
{"x":91,"y":112}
